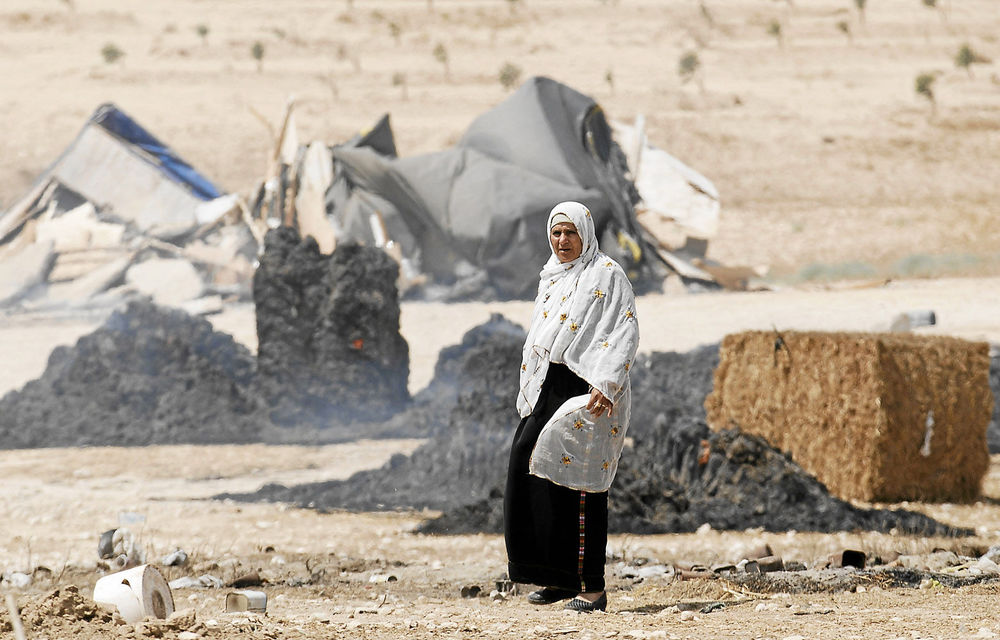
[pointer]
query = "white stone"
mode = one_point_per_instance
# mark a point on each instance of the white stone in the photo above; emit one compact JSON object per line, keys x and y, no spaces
{"x":106,"y":235}
{"x":70,"y":231}
{"x":202,"y":306}
{"x":987,"y":565}
{"x":941,"y":560}
{"x":168,"y":281}
{"x":655,"y":571}
{"x":17,"y":580}
{"x":21,"y":271}
{"x":85,"y":287}
{"x":993,"y":554}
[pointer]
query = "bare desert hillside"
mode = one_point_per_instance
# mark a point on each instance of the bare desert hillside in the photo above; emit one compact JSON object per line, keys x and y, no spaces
{"x":804,"y":114}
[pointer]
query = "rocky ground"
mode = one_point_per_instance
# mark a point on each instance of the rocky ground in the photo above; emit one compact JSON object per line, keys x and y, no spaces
{"x":370,"y":575}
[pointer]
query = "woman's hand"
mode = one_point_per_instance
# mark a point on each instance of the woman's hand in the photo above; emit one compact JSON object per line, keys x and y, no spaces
{"x":599,"y":404}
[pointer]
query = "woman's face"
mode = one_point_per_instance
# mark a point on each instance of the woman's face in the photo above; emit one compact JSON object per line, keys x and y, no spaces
{"x":566,"y":242}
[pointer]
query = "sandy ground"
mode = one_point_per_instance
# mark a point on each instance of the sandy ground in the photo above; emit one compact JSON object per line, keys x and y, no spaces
{"x":326,"y":574}
{"x":964,"y":307}
{"x":829,"y":166}
{"x":319,"y":572}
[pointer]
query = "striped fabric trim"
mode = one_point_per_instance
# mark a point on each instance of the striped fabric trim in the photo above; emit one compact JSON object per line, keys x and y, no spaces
{"x":583,"y":539}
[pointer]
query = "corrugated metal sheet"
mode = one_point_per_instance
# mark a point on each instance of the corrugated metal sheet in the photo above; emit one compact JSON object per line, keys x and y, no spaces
{"x":110,"y":174}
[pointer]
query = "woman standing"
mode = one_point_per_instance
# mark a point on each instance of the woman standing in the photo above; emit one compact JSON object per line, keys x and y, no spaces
{"x":574,"y":401}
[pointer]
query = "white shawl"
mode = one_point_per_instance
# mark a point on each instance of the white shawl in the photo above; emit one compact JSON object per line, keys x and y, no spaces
{"x":584,"y":317}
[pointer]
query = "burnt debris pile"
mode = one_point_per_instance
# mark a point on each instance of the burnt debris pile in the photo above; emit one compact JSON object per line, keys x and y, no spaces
{"x":683,"y":475}
{"x":676,"y":476}
{"x":468,"y":406}
{"x":333,"y":365}
{"x":329,"y":347}
{"x":148,"y":376}
{"x":669,"y":384}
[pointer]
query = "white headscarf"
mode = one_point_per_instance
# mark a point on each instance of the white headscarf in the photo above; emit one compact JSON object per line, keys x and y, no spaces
{"x":585,"y":318}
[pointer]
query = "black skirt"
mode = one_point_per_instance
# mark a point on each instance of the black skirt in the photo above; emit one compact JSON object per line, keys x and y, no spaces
{"x":556,"y":536}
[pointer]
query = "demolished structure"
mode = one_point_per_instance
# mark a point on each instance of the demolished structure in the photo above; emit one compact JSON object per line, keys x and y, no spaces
{"x":120,"y":215}
{"x":119,"y":210}
{"x":463,"y":222}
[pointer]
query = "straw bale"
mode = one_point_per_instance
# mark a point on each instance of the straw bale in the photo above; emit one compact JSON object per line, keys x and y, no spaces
{"x":875,"y":417}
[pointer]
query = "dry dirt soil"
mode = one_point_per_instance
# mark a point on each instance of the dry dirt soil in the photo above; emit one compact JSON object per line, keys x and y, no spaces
{"x":368,"y":576}
{"x":829,"y":165}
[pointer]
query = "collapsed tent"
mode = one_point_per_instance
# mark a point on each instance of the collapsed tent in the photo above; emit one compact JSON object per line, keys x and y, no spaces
{"x":465,"y":223}
{"x":115,"y":197}
{"x":474,"y":212}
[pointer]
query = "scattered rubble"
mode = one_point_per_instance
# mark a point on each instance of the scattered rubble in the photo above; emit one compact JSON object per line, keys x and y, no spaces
{"x":96,"y":226}
{"x":774,"y":574}
{"x":61,"y":612}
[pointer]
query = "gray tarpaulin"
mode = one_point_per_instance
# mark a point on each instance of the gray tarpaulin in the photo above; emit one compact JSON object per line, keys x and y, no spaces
{"x":485,"y":201}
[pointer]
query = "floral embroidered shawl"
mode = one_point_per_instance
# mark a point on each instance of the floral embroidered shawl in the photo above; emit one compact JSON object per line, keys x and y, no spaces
{"x":584,"y":317}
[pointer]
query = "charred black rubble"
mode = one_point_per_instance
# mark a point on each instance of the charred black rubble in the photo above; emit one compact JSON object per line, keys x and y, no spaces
{"x":148,"y":376}
{"x":467,"y":406}
{"x":333,"y":365}
{"x":329,"y":347}
{"x":676,"y":476}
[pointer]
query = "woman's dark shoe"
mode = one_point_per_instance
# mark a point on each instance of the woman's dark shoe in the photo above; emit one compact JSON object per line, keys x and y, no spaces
{"x":579,"y":604}
{"x":548,"y":595}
